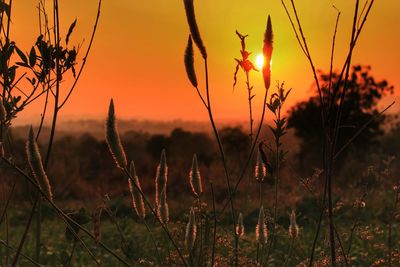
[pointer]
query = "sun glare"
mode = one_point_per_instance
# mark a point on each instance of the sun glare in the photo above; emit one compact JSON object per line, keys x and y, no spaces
{"x":260,"y":61}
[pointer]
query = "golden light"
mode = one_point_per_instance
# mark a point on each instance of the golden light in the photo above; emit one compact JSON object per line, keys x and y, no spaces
{"x":260,"y":61}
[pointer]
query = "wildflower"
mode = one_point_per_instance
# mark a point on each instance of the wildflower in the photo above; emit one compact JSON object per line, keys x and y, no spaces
{"x":244,"y":63}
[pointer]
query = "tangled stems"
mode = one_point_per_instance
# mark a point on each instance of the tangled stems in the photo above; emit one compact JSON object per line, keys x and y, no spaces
{"x":69,"y":222}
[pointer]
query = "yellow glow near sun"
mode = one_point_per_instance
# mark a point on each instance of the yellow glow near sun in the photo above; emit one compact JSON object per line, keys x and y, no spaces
{"x":260,"y":61}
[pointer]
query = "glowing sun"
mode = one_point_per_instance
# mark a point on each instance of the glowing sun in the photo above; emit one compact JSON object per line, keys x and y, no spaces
{"x":260,"y":61}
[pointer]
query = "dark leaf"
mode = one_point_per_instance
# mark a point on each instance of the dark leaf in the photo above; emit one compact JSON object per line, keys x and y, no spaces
{"x":5,"y":8}
{"x":70,"y":30}
{"x":21,"y":55}
{"x":32,"y":57}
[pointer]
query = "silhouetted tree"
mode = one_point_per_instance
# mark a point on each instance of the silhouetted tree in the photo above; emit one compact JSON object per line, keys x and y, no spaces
{"x":360,"y":104}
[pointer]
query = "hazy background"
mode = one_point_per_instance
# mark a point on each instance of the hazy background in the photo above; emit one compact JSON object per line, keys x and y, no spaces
{"x":137,"y":57}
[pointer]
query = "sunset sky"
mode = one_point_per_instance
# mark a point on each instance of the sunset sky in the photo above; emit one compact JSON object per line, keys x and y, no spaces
{"x":137,"y":57}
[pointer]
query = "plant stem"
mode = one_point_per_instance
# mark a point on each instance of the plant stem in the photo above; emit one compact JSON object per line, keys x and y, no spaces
{"x":72,"y":254}
{"x":163,"y":226}
{"x":66,"y":219}
{"x":23,"y":255}
{"x":201,"y":232}
{"x":249,"y":89}
{"x":154,"y":242}
{"x":215,"y":226}
{"x":21,"y":243}
{"x":223,"y":159}
{"x":289,"y":255}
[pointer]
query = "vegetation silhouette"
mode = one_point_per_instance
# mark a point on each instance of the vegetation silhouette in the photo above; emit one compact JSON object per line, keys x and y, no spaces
{"x":360,"y":106}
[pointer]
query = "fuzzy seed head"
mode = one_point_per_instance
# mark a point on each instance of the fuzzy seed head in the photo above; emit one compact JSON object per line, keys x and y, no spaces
{"x":137,"y":198}
{"x":261,"y":170}
{"x":113,"y":139}
{"x":36,"y":165}
{"x":267,"y":52}
{"x":261,"y":228}
{"x":191,"y":231}
{"x":195,"y":178}
{"x":293,"y":227}
{"x":189,"y":62}
{"x":240,"y":226}
{"x":161,"y":179}
{"x":194,"y":30}
{"x":163,"y":213}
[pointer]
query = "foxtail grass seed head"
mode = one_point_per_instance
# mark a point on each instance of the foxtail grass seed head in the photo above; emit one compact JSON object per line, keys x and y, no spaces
{"x":161,"y":179}
{"x":162,"y":208}
{"x":189,"y":62}
{"x":163,"y":213}
{"x":194,"y":30}
{"x":240,"y":226}
{"x":267,"y":52}
{"x":195,"y":178}
{"x":137,"y":198}
{"x":3,"y":112}
{"x":113,"y":139}
{"x":293,"y":227}
{"x":191,"y":231}
{"x":36,"y":165}
{"x":261,"y":228}
{"x":260,"y":170}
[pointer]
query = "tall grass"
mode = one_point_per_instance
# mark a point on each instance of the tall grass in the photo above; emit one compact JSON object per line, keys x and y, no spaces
{"x":205,"y":237}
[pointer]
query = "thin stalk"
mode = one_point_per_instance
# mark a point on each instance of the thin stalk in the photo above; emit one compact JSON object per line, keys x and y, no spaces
{"x":215,"y":225}
{"x":249,"y":89}
{"x":154,"y":241}
{"x":223,"y":159}
{"x":8,"y":201}
{"x":392,"y":216}
{"x":7,"y":239}
{"x":289,"y":254}
{"x":21,"y":243}
{"x":163,"y":226}
{"x":335,"y":139}
{"x":332,"y":55}
{"x":341,"y":246}
{"x":201,"y":232}
{"x":71,"y":254}
{"x":23,"y":255}
{"x":248,"y":160}
{"x":85,"y":57}
{"x":119,"y":230}
{"x":168,"y":250}
{"x":276,"y":185}
{"x":65,"y":218}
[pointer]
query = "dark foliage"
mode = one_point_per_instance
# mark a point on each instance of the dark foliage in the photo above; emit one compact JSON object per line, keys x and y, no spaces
{"x":359,"y":106}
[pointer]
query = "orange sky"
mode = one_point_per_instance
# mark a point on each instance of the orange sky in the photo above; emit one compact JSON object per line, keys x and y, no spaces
{"x":137,"y":57}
